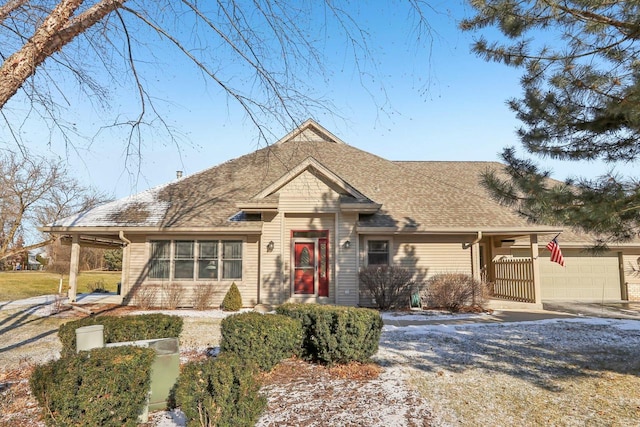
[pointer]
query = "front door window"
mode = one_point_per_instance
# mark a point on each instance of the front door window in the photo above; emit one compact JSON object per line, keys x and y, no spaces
{"x":304,"y":268}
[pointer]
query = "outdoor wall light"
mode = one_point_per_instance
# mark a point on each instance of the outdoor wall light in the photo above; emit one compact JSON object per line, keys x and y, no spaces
{"x":270,"y":246}
{"x":346,"y":244}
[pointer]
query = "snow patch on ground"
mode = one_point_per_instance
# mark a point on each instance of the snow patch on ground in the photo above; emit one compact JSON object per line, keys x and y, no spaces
{"x":532,"y":350}
{"x":439,"y":345}
{"x":431,"y":315}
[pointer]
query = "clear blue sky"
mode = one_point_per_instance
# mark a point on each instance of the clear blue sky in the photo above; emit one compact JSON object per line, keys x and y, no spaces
{"x":440,"y":104}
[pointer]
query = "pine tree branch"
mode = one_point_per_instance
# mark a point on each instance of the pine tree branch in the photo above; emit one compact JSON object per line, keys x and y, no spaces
{"x":588,"y":16}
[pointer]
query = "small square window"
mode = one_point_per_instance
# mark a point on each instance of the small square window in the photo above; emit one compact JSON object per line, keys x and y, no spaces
{"x":378,"y":252}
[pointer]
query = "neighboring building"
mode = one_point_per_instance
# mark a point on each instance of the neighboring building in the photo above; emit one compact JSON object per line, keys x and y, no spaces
{"x":295,"y":221}
{"x":33,"y":263}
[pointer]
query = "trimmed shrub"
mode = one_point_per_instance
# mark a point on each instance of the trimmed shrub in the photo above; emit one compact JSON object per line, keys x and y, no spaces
{"x":336,"y":334}
{"x":122,"y":328}
{"x":454,"y":291}
{"x":104,"y":387}
{"x":221,"y":392}
{"x":265,"y":339}
{"x":390,"y":286}
{"x":232,"y":300}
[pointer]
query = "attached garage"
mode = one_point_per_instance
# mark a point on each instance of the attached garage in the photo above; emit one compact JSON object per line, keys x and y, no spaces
{"x":585,"y":277}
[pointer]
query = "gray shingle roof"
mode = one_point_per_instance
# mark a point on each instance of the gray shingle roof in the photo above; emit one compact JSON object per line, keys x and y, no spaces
{"x":424,"y":195}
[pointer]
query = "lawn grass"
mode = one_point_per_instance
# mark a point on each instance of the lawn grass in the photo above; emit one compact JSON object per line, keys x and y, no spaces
{"x":25,"y":284}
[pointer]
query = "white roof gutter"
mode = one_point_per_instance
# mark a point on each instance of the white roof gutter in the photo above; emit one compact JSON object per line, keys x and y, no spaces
{"x":468,"y":245}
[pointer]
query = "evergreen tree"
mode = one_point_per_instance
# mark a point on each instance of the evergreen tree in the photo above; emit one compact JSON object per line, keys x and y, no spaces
{"x":580,"y":101}
{"x":233,"y":299}
{"x":113,"y":259}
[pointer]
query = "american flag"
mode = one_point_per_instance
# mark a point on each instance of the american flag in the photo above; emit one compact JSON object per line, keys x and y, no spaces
{"x":556,"y":253}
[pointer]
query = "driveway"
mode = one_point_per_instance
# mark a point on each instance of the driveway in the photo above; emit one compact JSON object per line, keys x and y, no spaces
{"x":614,"y":310}
{"x":552,"y":310}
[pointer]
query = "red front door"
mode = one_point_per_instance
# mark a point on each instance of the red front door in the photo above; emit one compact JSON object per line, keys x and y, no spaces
{"x":311,"y":263}
{"x":304,"y":268}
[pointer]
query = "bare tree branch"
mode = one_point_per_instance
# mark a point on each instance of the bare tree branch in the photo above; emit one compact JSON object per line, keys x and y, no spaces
{"x":24,"y":249}
{"x":57,"y":30}
{"x":265,"y":55}
{"x":36,"y":191}
{"x":7,"y":8}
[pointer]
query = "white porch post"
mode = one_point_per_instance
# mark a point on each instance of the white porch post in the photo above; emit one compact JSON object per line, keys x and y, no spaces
{"x":73,"y":268}
{"x":356,"y":238}
{"x":535,"y":264}
{"x":475,"y":261}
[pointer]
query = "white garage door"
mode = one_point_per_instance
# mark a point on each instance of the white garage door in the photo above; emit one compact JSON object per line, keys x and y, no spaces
{"x":584,"y":277}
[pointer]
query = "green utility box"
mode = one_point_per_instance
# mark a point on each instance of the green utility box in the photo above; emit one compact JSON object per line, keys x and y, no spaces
{"x":164,"y":370}
{"x":89,"y":337}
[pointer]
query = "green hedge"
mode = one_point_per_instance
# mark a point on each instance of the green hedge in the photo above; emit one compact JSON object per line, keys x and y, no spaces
{"x":122,"y":328}
{"x":336,"y":334}
{"x":264,"y":338}
{"x":104,"y":387}
{"x":221,"y":392}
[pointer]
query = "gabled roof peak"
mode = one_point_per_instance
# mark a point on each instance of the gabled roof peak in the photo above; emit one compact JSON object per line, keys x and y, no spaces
{"x":310,"y":131}
{"x":311,"y":164}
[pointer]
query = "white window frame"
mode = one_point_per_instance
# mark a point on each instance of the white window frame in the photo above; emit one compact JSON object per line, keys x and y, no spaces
{"x":389,"y":241}
{"x":196,"y":259}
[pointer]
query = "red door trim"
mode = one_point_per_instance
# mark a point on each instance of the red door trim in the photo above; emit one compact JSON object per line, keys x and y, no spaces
{"x":321,"y":289}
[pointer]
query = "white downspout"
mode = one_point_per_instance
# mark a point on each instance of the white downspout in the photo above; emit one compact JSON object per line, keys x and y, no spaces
{"x":477,"y":240}
{"x":124,"y":239}
{"x":475,"y":258}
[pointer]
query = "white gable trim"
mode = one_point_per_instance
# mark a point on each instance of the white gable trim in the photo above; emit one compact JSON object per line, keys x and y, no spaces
{"x":308,"y":124}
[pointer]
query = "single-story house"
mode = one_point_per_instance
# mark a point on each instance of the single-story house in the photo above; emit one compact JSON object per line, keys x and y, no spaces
{"x":297,"y":220}
{"x":32,"y":260}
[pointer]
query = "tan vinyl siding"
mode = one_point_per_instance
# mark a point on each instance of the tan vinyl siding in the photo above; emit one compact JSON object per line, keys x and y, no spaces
{"x":306,"y":193}
{"x":429,"y":256}
{"x":249,"y":287}
{"x":425,"y":256}
{"x":137,"y":266}
{"x":346,"y":289}
{"x":309,"y":135}
{"x":272,"y":288}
